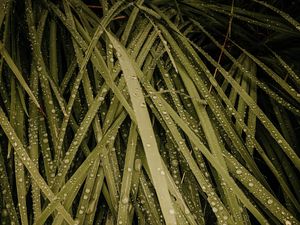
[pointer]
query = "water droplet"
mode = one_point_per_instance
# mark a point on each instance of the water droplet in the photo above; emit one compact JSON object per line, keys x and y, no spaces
{"x":287,"y":222}
{"x":214,"y":209}
{"x":174,"y":162}
{"x":125,"y":200}
{"x":238,"y":171}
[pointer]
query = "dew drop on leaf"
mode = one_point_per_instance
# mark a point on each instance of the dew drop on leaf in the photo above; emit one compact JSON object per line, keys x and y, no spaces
{"x":238,"y":171}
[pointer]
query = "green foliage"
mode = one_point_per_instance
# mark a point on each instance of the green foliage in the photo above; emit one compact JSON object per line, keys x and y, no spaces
{"x":149,"y":112}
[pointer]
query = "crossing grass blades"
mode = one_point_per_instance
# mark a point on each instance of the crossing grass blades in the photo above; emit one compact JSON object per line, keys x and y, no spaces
{"x":149,"y":112}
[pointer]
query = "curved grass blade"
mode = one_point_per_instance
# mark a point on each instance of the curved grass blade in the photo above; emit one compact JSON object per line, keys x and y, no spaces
{"x":145,"y":131}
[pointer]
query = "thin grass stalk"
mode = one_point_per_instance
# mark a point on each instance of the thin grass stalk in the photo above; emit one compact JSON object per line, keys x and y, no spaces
{"x":53,"y":60}
{"x":33,"y":134}
{"x":17,"y":121}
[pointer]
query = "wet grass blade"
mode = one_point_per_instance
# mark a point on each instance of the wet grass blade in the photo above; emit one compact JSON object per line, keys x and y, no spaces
{"x":123,"y":211}
{"x":145,"y":130}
